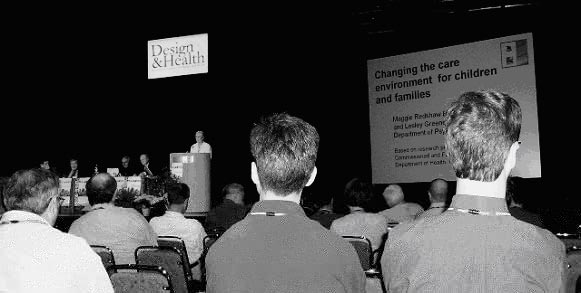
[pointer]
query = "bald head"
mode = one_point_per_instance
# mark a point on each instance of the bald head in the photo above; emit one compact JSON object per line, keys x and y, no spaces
{"x":101,"y":188}
{"x":393,"y":195}
{"x":438,"y":190}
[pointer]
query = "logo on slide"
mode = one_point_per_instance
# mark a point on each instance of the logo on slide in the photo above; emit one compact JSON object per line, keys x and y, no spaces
{"x":514,"y":53}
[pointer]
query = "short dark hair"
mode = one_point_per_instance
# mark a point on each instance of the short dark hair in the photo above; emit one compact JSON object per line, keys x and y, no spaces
{"x":101,"y":188}
{"x":285,"y":150}
{"x":358,"y":193}
{"x":480,"y":129}
{"x":28,"y":190}
{"x":232,"y":188}
{"x":177,"y":193}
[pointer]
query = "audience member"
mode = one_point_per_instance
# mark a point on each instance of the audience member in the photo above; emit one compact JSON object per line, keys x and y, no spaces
{"x":121,"y":229}
{"x":201,"y":146}
{"x":230,"y":211}
{"x":359,"y":222}
{"x":276,"y":248}
{"x":514,"y":190}
{"x":476,"y":246}
{"x":34,"y":256}
{"x":127,"y":169}
{"x":400,"y":210}
{"x":173,"y":223}
{"x":325,"y":215}
{"x":438,"y":195}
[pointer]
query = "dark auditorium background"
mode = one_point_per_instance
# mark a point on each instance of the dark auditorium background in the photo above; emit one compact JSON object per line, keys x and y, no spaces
{"x":75,"y":82}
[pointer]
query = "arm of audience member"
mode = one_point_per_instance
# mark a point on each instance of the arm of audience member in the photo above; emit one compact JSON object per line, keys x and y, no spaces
{"x":195,"y":246}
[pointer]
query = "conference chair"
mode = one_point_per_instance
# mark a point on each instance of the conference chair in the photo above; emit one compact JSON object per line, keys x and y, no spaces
{"x":170,"y":259}
{"x":133,"y":278}
{"x":570,"y":239}
{"x":177,"y":242}
{"x":211,"y":238}
{"x":367,"y":257}
{"x":573,"y":270}
{"x":106,"y":255}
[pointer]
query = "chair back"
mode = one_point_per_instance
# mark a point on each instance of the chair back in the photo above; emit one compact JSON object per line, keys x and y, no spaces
{"x":133,"y":278}
{"x":177,"y":242}
{"x":210,"y":239}
{"x":363,"y":247}
{"x":106,"y":255}
{"x":170,"y":259}
{"x":573,"y":270}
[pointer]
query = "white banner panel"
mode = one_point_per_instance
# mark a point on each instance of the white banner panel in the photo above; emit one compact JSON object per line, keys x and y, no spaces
{"x":177,"y":56}
{"x":408,"y":96}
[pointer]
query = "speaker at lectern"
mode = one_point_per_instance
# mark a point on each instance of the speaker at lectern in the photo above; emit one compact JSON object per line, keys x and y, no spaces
{"x":193,"y":169}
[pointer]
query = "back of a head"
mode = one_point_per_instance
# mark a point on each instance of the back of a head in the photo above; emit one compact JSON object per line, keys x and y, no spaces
{"x":393,"y":195}
{"x":358,"y":193}
{"x":480,"y":129}
{"x":233,"y":190}
{"x":101,"y":188}
{"x":285,"y":150}
{"x":438,"y":190}
{"x":178,"y":193}
{"x":30,"y":190}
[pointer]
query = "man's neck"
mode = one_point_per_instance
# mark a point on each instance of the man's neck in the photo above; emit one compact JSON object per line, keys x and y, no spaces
{"x":496,"y":189}
{"x":437,"y":204}
{"x":176,"y":208}
{"x":293,"y":197}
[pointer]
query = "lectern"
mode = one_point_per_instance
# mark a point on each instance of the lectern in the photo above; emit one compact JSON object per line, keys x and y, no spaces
{"x":193,"y":169}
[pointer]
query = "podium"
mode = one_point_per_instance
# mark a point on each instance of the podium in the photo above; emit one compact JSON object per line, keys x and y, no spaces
{"x":193,"y":169}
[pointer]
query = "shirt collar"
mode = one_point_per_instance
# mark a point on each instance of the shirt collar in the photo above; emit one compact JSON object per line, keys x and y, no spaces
{"x":22,"y":216}
{"x":173,"y":214}
{"x":100,"y":206}
{"x":278,"y":206}
{"x":480,"y":203}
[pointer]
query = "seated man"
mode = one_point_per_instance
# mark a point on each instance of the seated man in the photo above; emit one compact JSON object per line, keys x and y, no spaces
{"x":276,"y":248}
{"x":400,"y":210}
{"x":126,"y":169}
{"x":438,"y":195}
{"x":121,"y":229}
{"x":476,"y":245}
{"x":173,"y":223}
{"x":230,"y":211}
{"x":34,"y":256}
{"x":360,"y":222}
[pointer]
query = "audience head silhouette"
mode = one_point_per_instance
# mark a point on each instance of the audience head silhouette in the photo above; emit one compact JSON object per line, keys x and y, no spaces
{"x":177,"y":196}
{"x":482,"y":132}
{"x":393,"y":195}
{"x":234,"y":192}
{"x":438,"y":191}
{"x":101,"y":188}
{"x":358,"y":193}
{"x":285,"y":150}
{"x":35,"y":191}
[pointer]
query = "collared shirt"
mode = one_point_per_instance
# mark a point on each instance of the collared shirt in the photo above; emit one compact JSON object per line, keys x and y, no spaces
{"x":203,"y":148}
{"x":475,"y":246}
{"x":276,"y":248}
{"x":372,"y":226}
{"x":225,"y":215}
{"x":402,"y":212}
{"x":434,"y":210}
{"x":189,"y":230}
{"x":121,"y":229}
{"x":35,"y":257}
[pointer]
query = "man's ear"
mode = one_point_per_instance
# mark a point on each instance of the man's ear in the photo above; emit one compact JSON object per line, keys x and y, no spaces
{"x":254,"y":174}
{"x":511,"y":160}
{"x":312,"y":178}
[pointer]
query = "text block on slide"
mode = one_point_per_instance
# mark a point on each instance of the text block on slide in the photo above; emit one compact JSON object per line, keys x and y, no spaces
{"x":409,"y":95}
{"x":177,"y":56}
